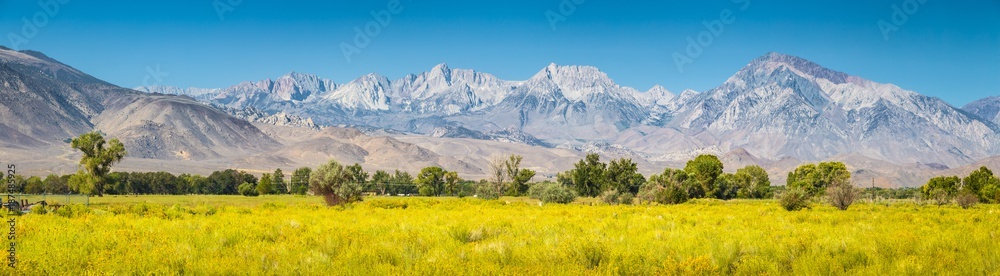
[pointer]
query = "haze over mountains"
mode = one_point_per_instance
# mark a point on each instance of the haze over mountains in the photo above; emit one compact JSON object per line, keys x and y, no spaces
{"x":778,"y":111}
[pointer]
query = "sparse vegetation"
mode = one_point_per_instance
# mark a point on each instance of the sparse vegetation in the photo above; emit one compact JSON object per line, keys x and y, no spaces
{"x":842,"y":194}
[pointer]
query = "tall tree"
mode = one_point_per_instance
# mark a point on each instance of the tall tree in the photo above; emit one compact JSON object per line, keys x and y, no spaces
{"x":451,"y":181}
{"x":357,"y":174}
{"x":752,"y":182}
{"x":431,"y":181}
{"x":265,"y":187}
{"x":941,"y":188}
{"x":380,"y":181}
{"x":704,"y":170}
{"x":278,"y":180}
{"x":816,"y":178}
{"x":978,"y":180}
{"x":300,"y":180}
{"x":498,"y":174}
{"x":588,"y":175}
{"x":623,"y":176}
{"x":98,"y":157}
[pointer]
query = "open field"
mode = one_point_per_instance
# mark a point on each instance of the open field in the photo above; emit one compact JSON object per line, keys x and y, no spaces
{"x":233,"y":235}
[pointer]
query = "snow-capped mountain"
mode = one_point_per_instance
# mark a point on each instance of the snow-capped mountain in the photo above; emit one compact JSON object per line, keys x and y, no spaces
{"x":987,"y":108}
{"x":778,"y":106}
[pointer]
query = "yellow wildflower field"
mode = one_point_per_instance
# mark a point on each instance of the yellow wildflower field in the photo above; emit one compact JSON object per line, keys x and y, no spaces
{"x":514,"y":236}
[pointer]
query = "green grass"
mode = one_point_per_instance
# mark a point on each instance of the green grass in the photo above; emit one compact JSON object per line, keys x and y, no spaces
{"x":226,"y":235}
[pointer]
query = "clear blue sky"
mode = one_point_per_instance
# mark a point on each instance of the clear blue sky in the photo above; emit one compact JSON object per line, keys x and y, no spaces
{"x":948,"y":49}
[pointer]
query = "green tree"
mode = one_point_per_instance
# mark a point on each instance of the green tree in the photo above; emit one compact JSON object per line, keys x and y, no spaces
{"x":752,"y":182}
{"x":431,"y":181}
{"x":265,"y":187}
{"x":665,"y":188}
{"x":814,"y":179}
{"x":98,"y":157}
{"x":402,"y":183}
{"x":357,"y":174}
{"x":518,"y":177}
{"x":278,"y":180}
{"x":333,"y":182}
{"x":247,"y":189}
{"x":55,"y":184}
{"x":978,"y":180}
{"x":623,"y":176}
{"x":300,"y":180}
{"x":704,"y":170}
{"x":451,"y":181}
{"x":726,"y":186}
{"x":588,"y":175}
{"x":380,"y":180}
{"x":34,"y":185}
{"x":941,"y":189}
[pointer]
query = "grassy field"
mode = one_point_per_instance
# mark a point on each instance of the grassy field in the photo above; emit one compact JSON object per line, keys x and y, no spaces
{"x":226,"y":235}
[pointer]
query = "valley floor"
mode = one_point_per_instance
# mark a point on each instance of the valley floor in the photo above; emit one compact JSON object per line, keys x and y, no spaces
{"x":235,"y":235}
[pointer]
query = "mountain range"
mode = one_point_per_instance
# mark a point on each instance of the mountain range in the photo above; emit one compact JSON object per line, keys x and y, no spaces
{"x":778,"y":111}
{"x":777,"y":106}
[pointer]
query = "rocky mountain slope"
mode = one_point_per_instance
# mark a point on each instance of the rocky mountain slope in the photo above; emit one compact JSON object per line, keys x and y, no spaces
{"x":986,"y":108}
{"x":777,"y":106}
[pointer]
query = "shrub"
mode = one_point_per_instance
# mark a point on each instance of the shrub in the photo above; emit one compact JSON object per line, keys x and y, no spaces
{"x":247,"y":189}
{"x":966,"y":199}
{"x":842,"y":194}
{"x":666,"y":188}
{"x":794,"y":199}
{"x":615,"y":197}
{"x":333,"y":182}
{"x":550,"y":192}
{"x":487,"y":191}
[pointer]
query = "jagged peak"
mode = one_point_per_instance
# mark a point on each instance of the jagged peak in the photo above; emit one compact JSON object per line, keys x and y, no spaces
{"x":658,"y":89}
{"x":442,"y":67}
{"x":559,"y":72}
{"x":775,"y":61}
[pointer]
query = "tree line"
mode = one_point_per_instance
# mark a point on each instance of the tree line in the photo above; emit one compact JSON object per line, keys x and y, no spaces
{"x":616,"y":182}
{"x":979,"y":186}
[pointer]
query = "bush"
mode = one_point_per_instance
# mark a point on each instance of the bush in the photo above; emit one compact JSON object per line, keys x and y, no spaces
{"x":334,"y":183}
{"x":615,"y":197}
{"x":487,"y":191}
{"x":842,"y":194}
{"x":794,"y":199}
{"x":966,"y":199}
{"x":666,"y":188}
{"x":550,"y":192}
{"x":247,"y":189}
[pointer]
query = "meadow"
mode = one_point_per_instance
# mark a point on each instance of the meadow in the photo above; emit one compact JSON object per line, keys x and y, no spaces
{"x":268,"y":235}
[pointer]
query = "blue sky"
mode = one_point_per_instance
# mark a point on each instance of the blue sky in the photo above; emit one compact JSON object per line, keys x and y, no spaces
{"x":947,"y":49}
